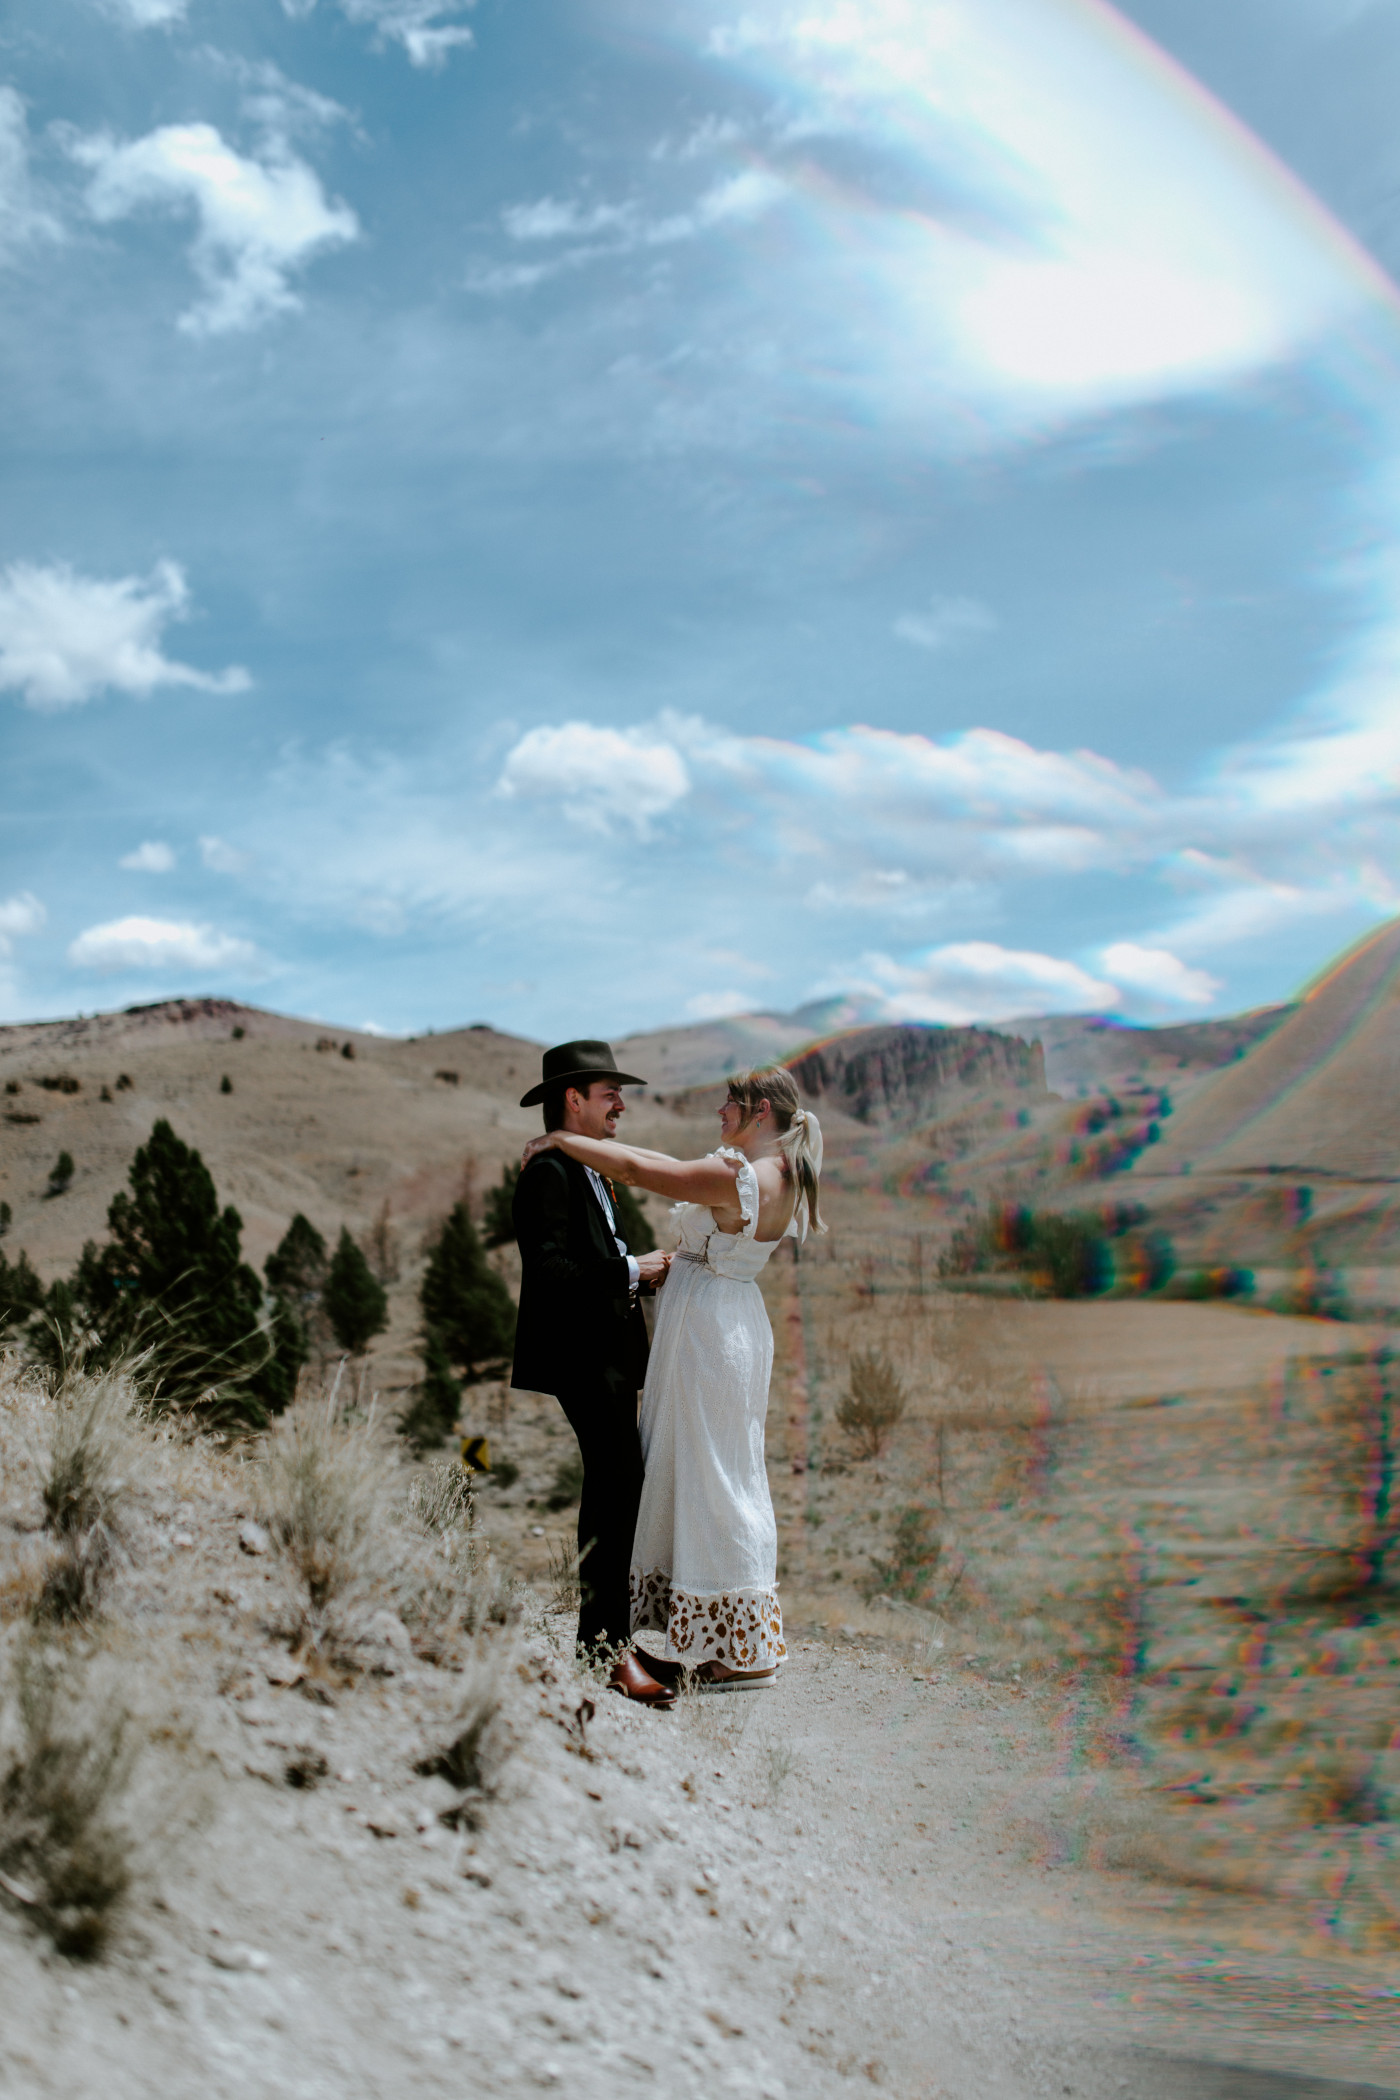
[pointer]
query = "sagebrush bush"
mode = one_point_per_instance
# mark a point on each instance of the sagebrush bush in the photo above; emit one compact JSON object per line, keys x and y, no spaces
{"x":66,"y":1761}
{"x":873,"y":1403}
{"x":85,"y":1473}
{"x":441,"y":1499}
{"x":320,"y":1490}
{"x":476,"y":1742}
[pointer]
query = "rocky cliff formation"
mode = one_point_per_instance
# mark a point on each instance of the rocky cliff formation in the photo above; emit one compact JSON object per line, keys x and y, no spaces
{"x":911,"y":1074}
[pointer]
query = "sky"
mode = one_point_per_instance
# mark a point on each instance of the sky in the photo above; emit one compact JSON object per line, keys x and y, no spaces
{"x":604,"y":513}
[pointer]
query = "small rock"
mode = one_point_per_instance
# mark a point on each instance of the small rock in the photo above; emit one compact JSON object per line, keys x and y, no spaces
{"x":388,"y":1627}
{"x":253,"y":1539}
{"x":182,"y":1538}
{"x":283,"y":1669}
{"x":241,"y":1960}
{"x":537,"y":1531}
{"x":384,"y":1823}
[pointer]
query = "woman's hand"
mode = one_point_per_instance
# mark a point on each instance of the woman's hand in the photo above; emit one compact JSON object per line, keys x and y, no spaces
{"x":547,"y":1143}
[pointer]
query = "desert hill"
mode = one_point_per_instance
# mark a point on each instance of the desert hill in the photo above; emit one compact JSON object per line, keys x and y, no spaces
{"x":1320,"y":1095}
{"x":1084,"y":1051}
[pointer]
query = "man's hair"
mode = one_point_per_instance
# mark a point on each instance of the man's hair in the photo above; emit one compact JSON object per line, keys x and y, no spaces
{"x":552,"y":1101}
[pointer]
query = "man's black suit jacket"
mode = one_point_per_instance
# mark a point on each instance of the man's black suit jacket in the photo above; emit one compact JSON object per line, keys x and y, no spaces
{"x":579,"y":1324}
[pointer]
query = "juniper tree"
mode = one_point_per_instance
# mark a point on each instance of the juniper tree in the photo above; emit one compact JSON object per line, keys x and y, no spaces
{"x":462,"y":1297}
{"x":353,"y":1299}
{"x":296,"y":1267}
{"x":21,"y":1292}
{"x":171,"y":1283}
{"x":433,"y":1414}
{"x":631,"y":1221}
{"x":295,"y":1272}
{"x":61,"y":1174}
{"x":497,"y":1223}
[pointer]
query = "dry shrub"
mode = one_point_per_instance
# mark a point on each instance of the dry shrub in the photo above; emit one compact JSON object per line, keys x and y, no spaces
{"x":445,"y":1585}
{"x":873,"y":1404}
{"x":476,"y":1742}
{"x":85,"y":1471}
{"x":67,"y":1757}
{"x":915,"y":1552}
{"x":441,"y":1500}
{"x":320,"y":1490}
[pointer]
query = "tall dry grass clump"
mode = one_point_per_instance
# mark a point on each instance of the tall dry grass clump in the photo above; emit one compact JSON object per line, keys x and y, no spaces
{"x":66,"y":1759}
{"x":873,"y":1402}
{"x":90,"y":1449}
{"x":447,"y":1589}
{"x":320,"y":1488}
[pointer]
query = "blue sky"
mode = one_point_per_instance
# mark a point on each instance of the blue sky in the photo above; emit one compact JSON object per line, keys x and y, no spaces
{"x":592,"y":514}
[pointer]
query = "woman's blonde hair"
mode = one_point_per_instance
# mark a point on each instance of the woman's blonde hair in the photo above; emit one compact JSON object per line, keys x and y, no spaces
{"x":799,"y":1133}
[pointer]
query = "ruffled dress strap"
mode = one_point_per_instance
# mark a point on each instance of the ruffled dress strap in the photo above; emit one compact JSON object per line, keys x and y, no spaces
{"x":746,"y":1188}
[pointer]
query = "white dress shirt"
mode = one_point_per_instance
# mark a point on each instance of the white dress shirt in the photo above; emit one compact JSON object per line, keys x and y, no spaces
{"x":600,"y":1190}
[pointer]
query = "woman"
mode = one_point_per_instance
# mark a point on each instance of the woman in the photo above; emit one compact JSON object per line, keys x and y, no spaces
{"x":705,"y":1559}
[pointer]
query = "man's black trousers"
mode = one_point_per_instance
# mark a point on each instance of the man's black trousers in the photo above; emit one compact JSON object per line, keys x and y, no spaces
{"x":604,"y":1420}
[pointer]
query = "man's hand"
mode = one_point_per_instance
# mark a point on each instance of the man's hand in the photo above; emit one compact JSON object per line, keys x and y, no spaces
{"x":651,"y":1269}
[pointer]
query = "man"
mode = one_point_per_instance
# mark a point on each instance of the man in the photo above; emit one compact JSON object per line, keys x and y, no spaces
{"x":582,"y":1336}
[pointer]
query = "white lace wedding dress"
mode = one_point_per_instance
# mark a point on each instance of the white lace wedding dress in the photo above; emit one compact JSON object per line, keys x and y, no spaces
{"x":705,"y":1556}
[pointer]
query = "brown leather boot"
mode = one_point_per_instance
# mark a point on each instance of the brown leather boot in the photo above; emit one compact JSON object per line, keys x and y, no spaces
{"x":631,"y":1679}
{"x":661,"y":1667}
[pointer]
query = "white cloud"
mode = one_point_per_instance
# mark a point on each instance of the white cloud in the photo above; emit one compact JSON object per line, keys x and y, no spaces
{"x":945,"y":622}
{"x":151,"y":857}
{"x":146,"y":14}
{"x":415,"y":24}
{"x":21,"y":216}
{"x":968,"y":981}
{"x":603,"y":778}
{"x":1159,"y":973}
{"x":162,"y":945}
{"x":221,"y":858}
{"x":555,"y":219}
{"x":621,"y":229}
{"x":259,"y":220}
{"x":19,"y":915}
{"x":65,"y":637}
{"x":718,"y":1006}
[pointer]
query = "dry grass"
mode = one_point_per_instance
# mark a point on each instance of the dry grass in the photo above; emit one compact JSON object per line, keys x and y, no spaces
{"x":66,"y":1762}
{"x":562,"y":1575}
{"x":91,"y":1447}
{"x":321,"y":1492}
{"x":441,"y":1501}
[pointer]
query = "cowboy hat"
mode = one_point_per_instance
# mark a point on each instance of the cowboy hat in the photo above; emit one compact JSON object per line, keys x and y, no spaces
{"x":574,"y":1064}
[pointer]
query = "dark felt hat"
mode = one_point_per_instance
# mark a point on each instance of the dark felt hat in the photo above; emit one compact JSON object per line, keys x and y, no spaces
{"x":573,"y":1064}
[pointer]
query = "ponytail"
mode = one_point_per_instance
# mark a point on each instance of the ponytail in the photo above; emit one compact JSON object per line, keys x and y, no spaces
{"x":798,"y":1132}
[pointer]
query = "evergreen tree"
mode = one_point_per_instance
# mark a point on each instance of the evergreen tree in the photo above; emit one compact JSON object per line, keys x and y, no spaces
{"x":171,"y":1283}
{"x":462,"y":1297}
{"x":61,"y":1174}
{"x":296,"y":1268}
{"x":631,"y":1220}
{"x":295,"y":1272}
{"x":21,"y":1292}
{"x":433,"y":1414}
{"x":353,"y":1298}
{"x":497,"y":1224}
